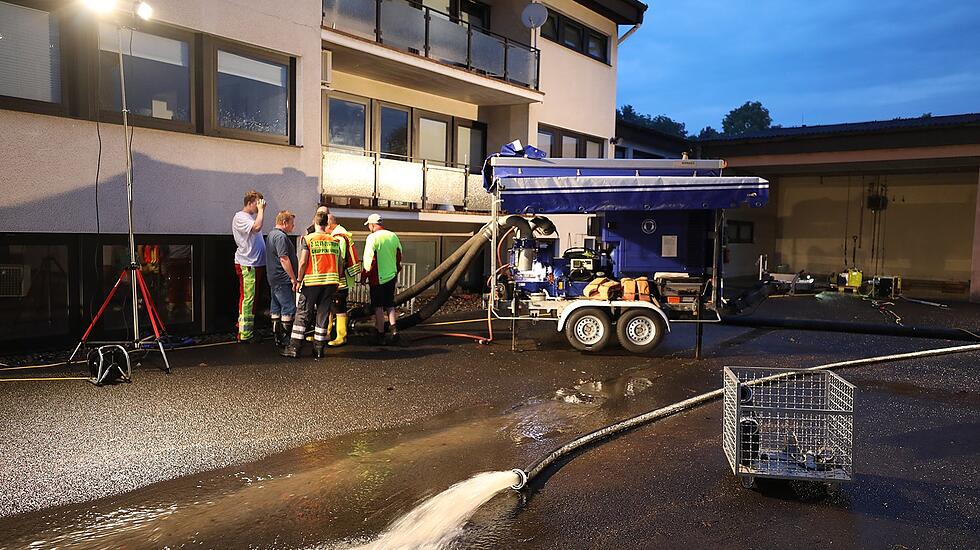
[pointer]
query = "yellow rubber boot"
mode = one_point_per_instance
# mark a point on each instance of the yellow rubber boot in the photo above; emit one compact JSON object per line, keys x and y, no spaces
{"x":341,"y":338}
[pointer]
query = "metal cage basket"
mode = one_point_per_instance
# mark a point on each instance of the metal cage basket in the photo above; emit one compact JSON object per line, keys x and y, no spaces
{"x":788,"y":424}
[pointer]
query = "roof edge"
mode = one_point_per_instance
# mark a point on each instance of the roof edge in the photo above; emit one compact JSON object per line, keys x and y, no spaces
{"x":622,"y":12}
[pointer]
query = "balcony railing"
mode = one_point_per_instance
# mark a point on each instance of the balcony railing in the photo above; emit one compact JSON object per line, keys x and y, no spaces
{"x":378,"y":177}
{"x":412,"y":27}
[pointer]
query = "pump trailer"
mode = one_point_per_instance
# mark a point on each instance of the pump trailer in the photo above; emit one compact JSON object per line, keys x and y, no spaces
{"x":659,"y":219}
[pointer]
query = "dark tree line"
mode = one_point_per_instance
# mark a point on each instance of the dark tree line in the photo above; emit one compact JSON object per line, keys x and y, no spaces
{"x":750,"y":117}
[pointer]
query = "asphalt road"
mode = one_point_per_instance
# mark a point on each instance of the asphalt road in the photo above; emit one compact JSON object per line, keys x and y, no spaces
{"x":240,"y":448}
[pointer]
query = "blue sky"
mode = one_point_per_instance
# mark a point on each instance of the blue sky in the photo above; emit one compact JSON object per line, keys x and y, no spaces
{"x":816,"y":61}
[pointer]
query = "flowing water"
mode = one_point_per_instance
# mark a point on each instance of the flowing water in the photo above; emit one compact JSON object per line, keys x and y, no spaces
{"x":433,"y":524}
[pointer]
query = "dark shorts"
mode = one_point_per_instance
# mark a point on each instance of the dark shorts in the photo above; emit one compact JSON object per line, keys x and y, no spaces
{"x":383,"y":296}
{"x":340,"y":301}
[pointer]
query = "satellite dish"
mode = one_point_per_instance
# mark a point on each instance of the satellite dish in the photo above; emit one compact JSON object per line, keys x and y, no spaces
{"x":534,"y":15}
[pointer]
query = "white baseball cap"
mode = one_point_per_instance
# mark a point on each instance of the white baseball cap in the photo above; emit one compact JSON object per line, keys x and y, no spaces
{"x":373,"y":218}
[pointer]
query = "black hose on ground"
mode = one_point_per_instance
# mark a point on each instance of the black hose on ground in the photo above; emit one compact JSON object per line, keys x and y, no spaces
{"x":598,"y":435}
{"x":852,"y":328}
{"x":474,"y":250}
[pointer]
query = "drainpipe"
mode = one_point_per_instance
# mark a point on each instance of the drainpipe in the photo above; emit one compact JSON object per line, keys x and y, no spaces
{"x":629,"y":33}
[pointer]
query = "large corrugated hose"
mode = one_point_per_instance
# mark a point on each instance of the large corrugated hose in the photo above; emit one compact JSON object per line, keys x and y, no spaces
{"x":482,"y":236}
{"x":475,"y":249}
{"x":541,"y":465}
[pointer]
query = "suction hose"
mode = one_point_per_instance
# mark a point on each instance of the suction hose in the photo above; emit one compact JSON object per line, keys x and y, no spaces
{"x":470,"y":253}
{"x":483,"y":235}
{"x":541,"y":465}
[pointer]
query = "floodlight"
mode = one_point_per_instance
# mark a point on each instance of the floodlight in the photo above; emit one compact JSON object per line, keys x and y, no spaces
{"x":144,"y":11}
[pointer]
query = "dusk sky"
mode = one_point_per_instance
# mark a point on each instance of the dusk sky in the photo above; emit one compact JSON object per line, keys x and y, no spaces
{"x":819,"y":62}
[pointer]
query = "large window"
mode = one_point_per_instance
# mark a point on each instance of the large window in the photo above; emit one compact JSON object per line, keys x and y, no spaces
{"x":168,"y":270}
{"x":347,"y":123}
{"x":158,"y":74}
{"x":252,"y":94}
{"x":432,"y":137}
{"x":556,"y":142}
{"x":393,"y":128}
{"x":30,"y":56}
{"x":546,"y":141}
{"x":35,"y":289}
{"x":471,"y":145}
{"x":576,"y":36}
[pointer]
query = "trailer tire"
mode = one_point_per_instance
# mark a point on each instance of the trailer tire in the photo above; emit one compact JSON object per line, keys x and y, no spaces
{"x":588,"y":329}
{"x":640,"y":330}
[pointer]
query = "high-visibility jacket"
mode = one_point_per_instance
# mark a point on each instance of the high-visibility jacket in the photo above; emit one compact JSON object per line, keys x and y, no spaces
{"x":327,"y":258}
{"x":354,"y":268}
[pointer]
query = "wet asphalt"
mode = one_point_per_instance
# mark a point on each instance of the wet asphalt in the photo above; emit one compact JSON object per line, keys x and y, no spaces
{"x":240,"y":448}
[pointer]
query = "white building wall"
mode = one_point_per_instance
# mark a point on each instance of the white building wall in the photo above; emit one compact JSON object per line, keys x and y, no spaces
{"x":184,"y":183}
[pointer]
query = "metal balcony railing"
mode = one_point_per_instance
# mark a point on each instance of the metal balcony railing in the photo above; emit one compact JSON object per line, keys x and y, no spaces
{"x":412,"y":27}
{"x":393,"y":178}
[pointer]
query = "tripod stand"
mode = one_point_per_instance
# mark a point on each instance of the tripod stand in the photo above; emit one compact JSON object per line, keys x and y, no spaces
{"x":139,"y":289}
{"x":136,"y":276}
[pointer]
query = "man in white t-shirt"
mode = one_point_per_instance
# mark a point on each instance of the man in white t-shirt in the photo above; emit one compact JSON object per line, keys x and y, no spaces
{"x":246,"y":227}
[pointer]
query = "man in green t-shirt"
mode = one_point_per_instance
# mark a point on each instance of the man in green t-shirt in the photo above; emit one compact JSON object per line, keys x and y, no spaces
{"x":382,"y":262}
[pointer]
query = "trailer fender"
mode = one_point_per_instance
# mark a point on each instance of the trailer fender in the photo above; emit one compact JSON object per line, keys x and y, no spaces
{"x":609,"y":305}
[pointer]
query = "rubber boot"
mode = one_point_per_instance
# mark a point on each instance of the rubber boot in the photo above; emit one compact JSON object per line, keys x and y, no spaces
{"x":287,"y":330}
{"x":277,"y":334}
{"x":318,"y":350}
{"x":341,"y":338}
{"x":293,"y":348}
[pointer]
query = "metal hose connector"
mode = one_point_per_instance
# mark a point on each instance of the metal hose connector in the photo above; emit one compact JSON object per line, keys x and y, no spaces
{"x":523,"y":479}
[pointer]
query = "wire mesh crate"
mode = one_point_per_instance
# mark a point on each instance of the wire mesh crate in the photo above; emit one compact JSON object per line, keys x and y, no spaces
{"x":788,"y":424}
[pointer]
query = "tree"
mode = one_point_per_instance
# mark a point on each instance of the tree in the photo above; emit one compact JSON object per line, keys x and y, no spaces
{"x":750,"y":117}
{"x":662,"y":123}
{"x":708,"y":132}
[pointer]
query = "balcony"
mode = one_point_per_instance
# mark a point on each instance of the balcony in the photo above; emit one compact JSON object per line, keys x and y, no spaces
{"x":390,"y":180}
{"x":407,"y":26}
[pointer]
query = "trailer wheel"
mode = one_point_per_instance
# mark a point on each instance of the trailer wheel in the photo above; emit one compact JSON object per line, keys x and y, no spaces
{"x":588,"y":329}
{"x":640,"y":331}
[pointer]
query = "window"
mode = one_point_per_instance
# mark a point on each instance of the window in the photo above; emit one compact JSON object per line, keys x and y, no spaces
{"x":569,"y":146}
{"x":739,"y":232}
{"x":545,"y":142}
{"x":252,"y":95}
{"x":620,"y":152}
{"x":571,"y":35}
{"x":474,"y":13}
{"x":597,"y":46}
{"x":471,"y":145}
{"x":393,"y":137}
{"x":30,"y":56}
{"x":550,"y":28}
{"x":35,"y":288}
{"x":158,"y":74}
{"x":169,"y":273}
{"x":593,"y":149}
{"x":432,"y":137}
{"x":557,"y":142}
{"x":347,"y":123}
{"x":576,"y":36}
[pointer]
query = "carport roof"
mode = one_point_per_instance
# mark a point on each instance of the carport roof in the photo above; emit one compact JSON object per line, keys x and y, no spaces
{"x":874,"y":126}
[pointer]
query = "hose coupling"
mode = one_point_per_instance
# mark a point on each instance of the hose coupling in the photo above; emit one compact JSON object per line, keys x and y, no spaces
{"x":523,"y":479}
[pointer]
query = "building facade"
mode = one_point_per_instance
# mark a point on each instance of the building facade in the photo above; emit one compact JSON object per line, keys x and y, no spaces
{"x":366,"y":105}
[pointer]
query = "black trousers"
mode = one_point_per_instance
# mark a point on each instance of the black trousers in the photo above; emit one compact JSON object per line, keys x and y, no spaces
{"x":320,"y":298}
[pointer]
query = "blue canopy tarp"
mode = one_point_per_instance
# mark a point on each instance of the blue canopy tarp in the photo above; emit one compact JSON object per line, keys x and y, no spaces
{"x":562,"y":186}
